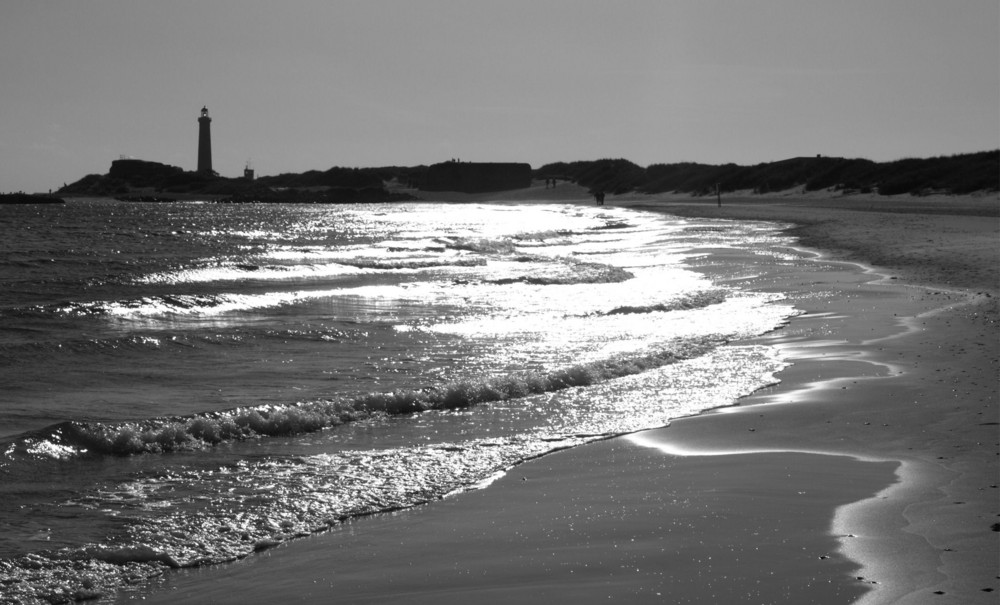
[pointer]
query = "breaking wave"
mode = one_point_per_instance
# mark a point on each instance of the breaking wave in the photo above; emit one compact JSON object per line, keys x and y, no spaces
{"x":692,"y":301}
{"x":161,"y":435}
{"x":480,"y":244}
{"x":248,"y":271}
{"x":411,"y":263}
{"x":572,"y":272}
{"x":174,"y":305}
{"x":190,"y":516}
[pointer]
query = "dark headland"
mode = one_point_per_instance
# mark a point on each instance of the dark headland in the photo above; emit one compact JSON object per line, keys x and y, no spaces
{"x":140,"y":180}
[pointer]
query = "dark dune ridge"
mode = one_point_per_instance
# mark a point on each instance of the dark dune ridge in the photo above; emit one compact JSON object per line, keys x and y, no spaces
{"x":957,"y":174}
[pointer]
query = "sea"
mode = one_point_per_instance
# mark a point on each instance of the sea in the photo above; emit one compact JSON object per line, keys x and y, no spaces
{"x":185,"y":384}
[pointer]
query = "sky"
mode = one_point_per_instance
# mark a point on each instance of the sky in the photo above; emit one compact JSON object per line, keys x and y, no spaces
{"x":309,"y":84}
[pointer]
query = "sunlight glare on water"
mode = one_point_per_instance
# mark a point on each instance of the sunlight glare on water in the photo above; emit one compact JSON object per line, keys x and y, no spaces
{"x":260,"y":372}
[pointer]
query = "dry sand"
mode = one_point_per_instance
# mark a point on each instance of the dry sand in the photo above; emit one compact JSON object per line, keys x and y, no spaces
{"x":869,"y":474}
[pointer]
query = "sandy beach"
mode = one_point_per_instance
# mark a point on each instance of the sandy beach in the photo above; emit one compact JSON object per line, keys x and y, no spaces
{"x":868,"y":475}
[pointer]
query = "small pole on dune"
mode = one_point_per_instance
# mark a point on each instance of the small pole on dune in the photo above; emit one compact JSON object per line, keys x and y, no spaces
{"x":718,"y":194}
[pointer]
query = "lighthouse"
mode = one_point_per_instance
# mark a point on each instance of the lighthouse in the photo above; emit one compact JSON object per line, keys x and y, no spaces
{"x":205,"y":142}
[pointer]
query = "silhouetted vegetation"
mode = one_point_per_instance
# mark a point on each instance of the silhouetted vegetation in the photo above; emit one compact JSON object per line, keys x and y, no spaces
{"x":334,"y":177}
{"x":476,"y":177}
{"x":139,"y":180}
{"x":957,"y":174}
{"x":128,"y":176}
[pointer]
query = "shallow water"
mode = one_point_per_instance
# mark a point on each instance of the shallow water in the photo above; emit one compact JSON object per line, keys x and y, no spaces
{"x":186,"y":383}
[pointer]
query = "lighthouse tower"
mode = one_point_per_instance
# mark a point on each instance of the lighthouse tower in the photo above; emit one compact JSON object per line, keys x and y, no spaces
{"x":205,"y":142}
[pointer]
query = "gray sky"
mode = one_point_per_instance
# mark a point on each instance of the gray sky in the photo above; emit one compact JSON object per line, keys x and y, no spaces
{"x":299,"y":85}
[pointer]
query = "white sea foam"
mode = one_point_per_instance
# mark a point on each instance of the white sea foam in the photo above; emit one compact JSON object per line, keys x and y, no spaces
{"x":231,"y":273}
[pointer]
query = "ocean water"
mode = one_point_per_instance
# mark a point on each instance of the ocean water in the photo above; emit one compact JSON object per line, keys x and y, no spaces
{"x":188,"y":383}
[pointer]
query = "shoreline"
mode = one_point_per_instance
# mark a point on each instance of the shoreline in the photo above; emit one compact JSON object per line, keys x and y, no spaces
{"x":845,"y":397}
{"x":932,"y":534}
{"x":909,"y":530}
{"x":608,"y":520}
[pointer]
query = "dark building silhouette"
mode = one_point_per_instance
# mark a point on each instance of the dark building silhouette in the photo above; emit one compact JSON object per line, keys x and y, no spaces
{"x":205,"y":142}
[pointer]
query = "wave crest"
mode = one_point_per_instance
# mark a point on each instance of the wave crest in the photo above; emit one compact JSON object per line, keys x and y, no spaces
{"x":481,"y":245}
{"x":162,"y":435}
{"x":411,"y":263}
{"x":576,"y":272}
{"x":693,"y":301}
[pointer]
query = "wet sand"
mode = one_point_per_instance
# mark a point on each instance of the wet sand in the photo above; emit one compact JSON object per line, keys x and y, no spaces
{"x":936,"y":269}
{"x":869,"y":474}
{"x":610,"y":520}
